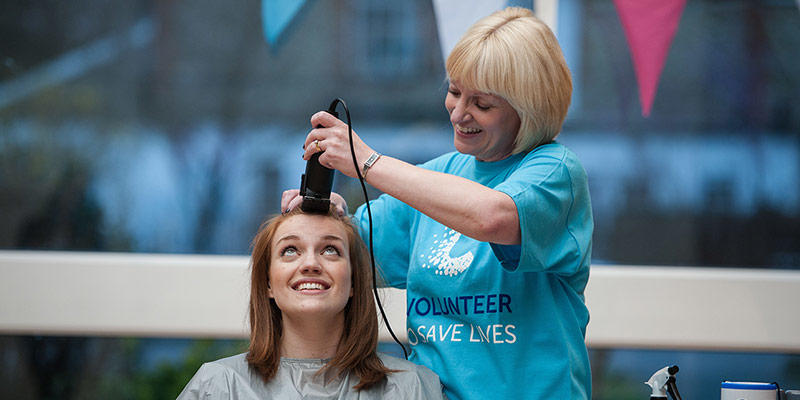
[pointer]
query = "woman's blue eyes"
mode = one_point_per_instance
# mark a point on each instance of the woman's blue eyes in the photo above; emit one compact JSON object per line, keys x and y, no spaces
{"x":292,"y":251}
{"x":330,"y":250}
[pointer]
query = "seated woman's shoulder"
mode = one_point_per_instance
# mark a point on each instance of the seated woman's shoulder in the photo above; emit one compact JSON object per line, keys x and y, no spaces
{"x":392,"y":362}
{"x":213,"y":379}
{"x":236,"y":362}
{"x":411,"y":381}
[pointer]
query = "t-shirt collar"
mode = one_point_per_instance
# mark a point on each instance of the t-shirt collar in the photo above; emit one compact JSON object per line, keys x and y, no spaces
{"x":492,"y":167}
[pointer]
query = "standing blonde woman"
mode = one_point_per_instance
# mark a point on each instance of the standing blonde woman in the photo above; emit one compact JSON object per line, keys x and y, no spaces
{"x":313,"y":324}
{"x":492,"y":242}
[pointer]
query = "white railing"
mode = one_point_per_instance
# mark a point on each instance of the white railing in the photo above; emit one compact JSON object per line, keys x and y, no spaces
{"x":113,"y":294}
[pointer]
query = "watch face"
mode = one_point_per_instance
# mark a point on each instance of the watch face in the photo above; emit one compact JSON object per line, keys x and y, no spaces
{"x":367,"y":164}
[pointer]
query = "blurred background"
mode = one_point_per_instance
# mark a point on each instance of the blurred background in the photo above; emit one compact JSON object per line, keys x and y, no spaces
{"x":153,"y":126}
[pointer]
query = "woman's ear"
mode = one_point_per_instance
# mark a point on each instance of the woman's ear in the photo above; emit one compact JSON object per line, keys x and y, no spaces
{"x":269,"y":291}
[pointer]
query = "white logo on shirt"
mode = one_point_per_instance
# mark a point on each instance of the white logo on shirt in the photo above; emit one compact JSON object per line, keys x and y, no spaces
{"x":441,"y":259}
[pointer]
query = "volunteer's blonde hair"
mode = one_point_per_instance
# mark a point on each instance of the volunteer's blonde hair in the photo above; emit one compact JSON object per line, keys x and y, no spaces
{"x":514,"y":55}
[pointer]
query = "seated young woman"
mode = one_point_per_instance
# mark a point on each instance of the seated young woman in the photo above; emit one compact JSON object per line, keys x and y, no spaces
{"x":313,"y":324}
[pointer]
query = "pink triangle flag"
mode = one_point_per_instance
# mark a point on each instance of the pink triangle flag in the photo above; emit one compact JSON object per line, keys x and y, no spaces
{"x":649,"y":27}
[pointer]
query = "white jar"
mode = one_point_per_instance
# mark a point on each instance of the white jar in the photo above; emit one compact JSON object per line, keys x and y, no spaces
{"x":748,"y":391}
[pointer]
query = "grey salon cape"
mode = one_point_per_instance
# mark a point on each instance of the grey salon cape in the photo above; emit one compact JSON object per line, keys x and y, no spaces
{"x":232,"y":378}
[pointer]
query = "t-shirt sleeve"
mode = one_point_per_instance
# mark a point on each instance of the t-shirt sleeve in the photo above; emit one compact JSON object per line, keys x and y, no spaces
{"x":555,"y":218}
{"x":209,"y":383}
{"x":391,"y":220}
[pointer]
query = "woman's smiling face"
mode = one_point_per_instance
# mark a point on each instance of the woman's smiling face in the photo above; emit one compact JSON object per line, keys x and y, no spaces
{"x":484,"y":125}
{"x":309,"y":269}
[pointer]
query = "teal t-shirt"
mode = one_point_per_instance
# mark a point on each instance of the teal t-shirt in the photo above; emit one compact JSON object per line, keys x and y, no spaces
{"x":496,"y":321}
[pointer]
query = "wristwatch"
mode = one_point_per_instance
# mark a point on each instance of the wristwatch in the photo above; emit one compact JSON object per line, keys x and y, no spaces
{"x":367,"y":164}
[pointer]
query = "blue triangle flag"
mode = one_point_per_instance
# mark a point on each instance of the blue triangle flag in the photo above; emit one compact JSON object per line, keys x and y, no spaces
{"x":276,"y":16}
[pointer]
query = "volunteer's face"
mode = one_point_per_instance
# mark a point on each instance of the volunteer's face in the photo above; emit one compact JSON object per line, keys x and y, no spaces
{"x":309,"y":272}
{"x":484,"y":125}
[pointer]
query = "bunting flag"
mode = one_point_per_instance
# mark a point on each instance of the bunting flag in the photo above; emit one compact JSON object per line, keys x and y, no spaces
{"x":453,"y":17}
{"x":650,"y":26}
{"x":276,"y":16}
{"x":547,"y":11}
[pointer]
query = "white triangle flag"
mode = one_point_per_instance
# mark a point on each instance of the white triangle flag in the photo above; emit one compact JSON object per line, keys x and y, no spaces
{"x":454,"y":17}
{"x":547,"y":11}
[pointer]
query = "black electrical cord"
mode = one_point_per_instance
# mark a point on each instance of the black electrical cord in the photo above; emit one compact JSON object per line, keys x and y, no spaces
{"x":369,"y":215}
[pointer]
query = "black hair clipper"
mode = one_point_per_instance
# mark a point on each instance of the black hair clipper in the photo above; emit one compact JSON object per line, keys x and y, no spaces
{"x":317,"y":182}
